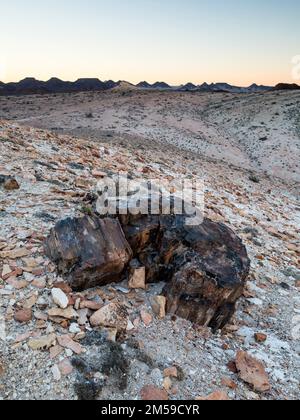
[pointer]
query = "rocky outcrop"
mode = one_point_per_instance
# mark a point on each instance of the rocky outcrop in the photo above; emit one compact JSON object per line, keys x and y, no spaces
{"x":89,"y":251}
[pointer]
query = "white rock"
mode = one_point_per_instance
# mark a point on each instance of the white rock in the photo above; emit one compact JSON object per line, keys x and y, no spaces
{"x":74,"y":329}
{"x":60,"y":298}
{"x":56,"y":373}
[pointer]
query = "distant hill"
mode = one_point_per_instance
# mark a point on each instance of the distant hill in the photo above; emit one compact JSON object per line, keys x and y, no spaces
{"x":32,"y":86}
{"x":188,"y":87}
{"x":286,"y":86}
{"x":54,"y":85}
{"x":144,"y":85}
{"x":161,"y":85}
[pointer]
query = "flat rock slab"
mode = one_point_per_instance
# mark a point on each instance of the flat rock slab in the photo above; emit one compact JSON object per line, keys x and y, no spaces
{"x":89,"y":251}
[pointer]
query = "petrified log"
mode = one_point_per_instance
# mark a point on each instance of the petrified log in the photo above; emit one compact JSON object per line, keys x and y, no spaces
{"x":89,"y":251}
{"x":205,"y":266}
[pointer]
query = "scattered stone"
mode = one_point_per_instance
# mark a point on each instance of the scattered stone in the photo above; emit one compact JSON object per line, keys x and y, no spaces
{"x":252,"y":372}
{"x":146,"y":318}
{"x":68,"y":313}
{"x":74,"y":329}
{"x":167,"y":384}
{"x":215,"y":396}
{"x":56,"y":373}
{"x":9,"y":183}
{"x":152,"y":393}
{"x":55,"y":351}
{"x":67,"y":342}
{"x":14,"y":254}
{"x":138,"y":279}
{"x":23,"y":315}
{"x":42,"y":343}
{"x":172,"y":372}
{"x":229,"y":383}
{"x":60,"y":298}
{"x":112,"y":316}
{"x":158,"y":304}
{"x":6,"y":271}
{"x":260,"y":337}
{"x":65,"y":367}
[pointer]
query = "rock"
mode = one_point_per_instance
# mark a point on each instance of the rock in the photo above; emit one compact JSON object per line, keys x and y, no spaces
{"x":152,"y":393}
{"x":158,"y":304}
{"x":90,"y":304}
{"x":89,"y":251}
{"x":167,"y":383}
{"x":171,"y":372}
{"x":15,"y":253}
{"x":215,"y":396}
{"x":55,"y":351}
{"x":260,"y":337}
{"x":137,"y":279}
{"x":23,"y":315}
{"x":146,"y":318}
{"x":9,"y":183}
{"x":205,"y":266}
{"x":42,"y":343}
{"x":82,"y":316}
{"x":60,"y":298}
{"x":68,"y":313}
{"x":252,"y":371}
{"x":112,"y":315}
{"x":67,"y":342}
{"x":229,"y":383}
{"x":56,"y":373}
{"x":6,"y":271}
{"x":65,"y":367}
{"x":2,"y":369}
{"x":74,"y":329}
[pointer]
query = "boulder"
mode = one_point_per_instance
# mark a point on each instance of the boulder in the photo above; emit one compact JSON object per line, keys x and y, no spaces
{"x":89,"y":251}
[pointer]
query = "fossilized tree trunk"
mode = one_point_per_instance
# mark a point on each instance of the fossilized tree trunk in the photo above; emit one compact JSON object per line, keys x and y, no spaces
{"x":89,"y":251}
{"x":205,"y":266}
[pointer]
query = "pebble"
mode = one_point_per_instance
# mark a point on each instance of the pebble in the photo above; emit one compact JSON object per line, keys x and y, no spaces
{"x":60,"y":298}
{"x":23,"y":315}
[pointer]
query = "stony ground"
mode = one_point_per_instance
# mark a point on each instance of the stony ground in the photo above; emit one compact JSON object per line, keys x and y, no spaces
{"x":54,"y":173}
{"x":254,"y":131}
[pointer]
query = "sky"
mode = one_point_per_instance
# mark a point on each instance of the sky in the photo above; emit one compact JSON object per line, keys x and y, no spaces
{"x":176,"y":41}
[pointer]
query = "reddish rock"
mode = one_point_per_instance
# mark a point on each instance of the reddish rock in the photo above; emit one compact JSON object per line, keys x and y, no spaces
{"x":23,"y":315}
{"x":252,"y":371}
{"x":152,"y":393}
{"x":65,"y":367}
{"x":260,"y":337}
{"x":146,"y":318}
{"x":229,"y":383}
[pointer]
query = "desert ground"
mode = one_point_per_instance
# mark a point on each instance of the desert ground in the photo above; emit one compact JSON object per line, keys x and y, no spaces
{"x":259,"y":132}
{"x":245,"y":147}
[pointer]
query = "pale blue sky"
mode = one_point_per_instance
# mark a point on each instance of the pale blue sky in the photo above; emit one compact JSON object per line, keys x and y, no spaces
{"x":236,"y":41}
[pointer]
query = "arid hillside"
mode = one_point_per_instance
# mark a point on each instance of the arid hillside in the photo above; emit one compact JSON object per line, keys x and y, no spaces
{"x":259,"y":132}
